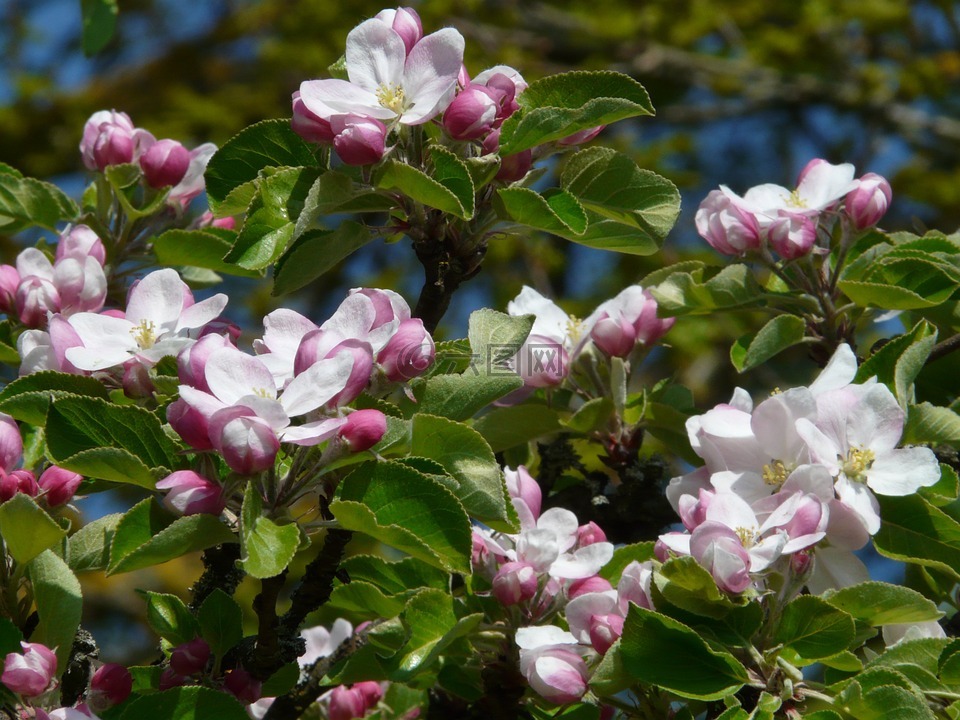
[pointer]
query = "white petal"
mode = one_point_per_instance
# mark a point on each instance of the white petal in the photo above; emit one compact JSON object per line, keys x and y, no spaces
{"x":551,"y":321}
{"x":774,"y":423}
{"x":903,"y":472}
{"x":317,"y":384}
{"x":204,"y":403}
{"x":107,"y":341}
{"x":839,"y":372}
{"x":530,"y":638}
{"x":232,"y":374}
{"x":33,"y":262}
{"x":312,"y":433}
{"x":858,"y":498}
{"x":766,"y":198}
{"x":157,"y":298}
{"x":199,"y":314}
{"x":562,"y":523}
{"x":582,"y":563}
{"x":822,"y":448}
{"x":824,"y":184}
{"x":835,"y":568}
{"x":430,"y":74}
{"x":330,"y":97}
{"x":375,"y":55}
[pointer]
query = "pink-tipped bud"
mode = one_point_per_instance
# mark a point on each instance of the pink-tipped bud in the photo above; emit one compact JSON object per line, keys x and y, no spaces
{"x":308,"y":125}
{"x":408,"y":353}
{"x":17,"y":481}
{"x":371,"y":692}
{"x":867,"y":205}
{"x":36,"y":298}
{"x":81,"y":283}
{"x":463,"y":77}
{"x":405,"y":22}
{"x":191,"y":657}
{"x":136,"y":380}
{"x":247,"y":442}
{"x":634,"y":586}
{"x":30,"y":673}
{"x":359,"y":375}
{"x":515,"y":582}
{"x":192,"y":360}
{"x":605,"y":630}
{"x":726,"y":225}
{"x":358,"y":140}
{"x":110,"y":685}
{"x":115,"y":145}
{"x":472,"y":113}
{"x":522,"y":486}
{"x":242,"y":685}
{"x":59,"y":485}
{"x":165,"y":163}
{"x":189,"y":493}
{"x":557,"y":674}
{"x":592,"y":584}
{"x":93,"y":129}
{"x":801,"y":562}
{"x":792,"y":235}
{"x":346,"y":703}
{"x":363,"y":429}
{"x":9,"y":282}
{"x":190,"y":424}
{"x":512,"y":167}
{"x":80,"y":242}
{"x":590,"y":534}
{"x":11,"y":444}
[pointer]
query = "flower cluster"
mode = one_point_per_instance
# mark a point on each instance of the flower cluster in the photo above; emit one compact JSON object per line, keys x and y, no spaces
{"x":788,"y":220}
{"x":110,"y":138}
{"x":792,"y":481}
{"x":56,"y":486}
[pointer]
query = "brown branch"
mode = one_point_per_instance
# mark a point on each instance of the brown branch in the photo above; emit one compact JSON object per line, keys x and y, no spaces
{"x":317,"y":584}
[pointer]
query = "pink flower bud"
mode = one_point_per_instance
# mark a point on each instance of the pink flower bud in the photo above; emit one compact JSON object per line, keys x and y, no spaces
{"x":17,"y":481}
{"x":165,"y":163}
{"x":9,"y":282}
{"x":31,"y":673}
{"x":136,"y":380}
{"x":36,"y":298}
{"x":728,"y":227}
{"x":371,"y":692}
{"x":389,"y":306}
{"x":190,"y":424}
{"x":189,"y":493}
{"x":81,"y":283}
{"x":522,"y":486}
{"x":408,"y":353}
{"x":11,"y":444}
{"x":247,"y":442}
{"x":114,"y":145}
{"x":592,"y":584}
{"x":80,"y":242}
{"x":93,"y":128}
{"x":792,"y":235}
{"x":614,"y":335}
{"x":557,"y":674}
{"x":471,"y":114}
{"x":358,"y":140}
{"x":634,"y":586}
{"x":193,"y":183}
{"x":346,"y":703}
{"x":605,"y":630}
{"x":363,"y":429}
{"x":359,"y":375}
{"x":190,"y":658}
{"x":192,"y":360}
{"x":515,"y":582}
{"x":406,"y":23}
{"x":869,"y":202}
{"x":800,"y":562}
{"x":512,"y":167}
{"x":310,"y":126}
{"x":718,"y":549}
{"x":110,"y":685}
{"x":242,"y":685}
{"x":59,"y":485}
{"x":579,"y":138}
{"x":589,"y":534}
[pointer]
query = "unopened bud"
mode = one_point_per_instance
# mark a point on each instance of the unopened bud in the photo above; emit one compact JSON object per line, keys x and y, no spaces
{"x":364,"y":429}
{"x":59,"y":485}
{"x":165,"y":163}
{"x":358,"y":140}
{"x":110,"y":685}
{"x":191,"y":657}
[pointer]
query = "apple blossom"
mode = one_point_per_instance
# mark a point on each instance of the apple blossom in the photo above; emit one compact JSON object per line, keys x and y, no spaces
{"x":618,"y":324}
{"x":9,"y":282}
{"x":552,"y":666}
{"x":408,"y":353}
{"x":58,"y":485}
{"x":363,"y":429}
{"x":792,"y":235}
{"x":727,"y":225}
{"x":31,"y":672}
{"x":191,"y":657}
{"x":189,"y":493}
{"x":110,"y":685}
{"x":471,"y":114}
{"x":868,"y":203}
{"x":242,"y":685}
{"x":78,"y":242}
{"x":310,"y":126}
{"x":405,"y":22}
{"x":164,"y":163}
{"x":192,"y":183}
{"x":515,"y":582}
{"x":358,"y":139}
{"x":11,"y":443}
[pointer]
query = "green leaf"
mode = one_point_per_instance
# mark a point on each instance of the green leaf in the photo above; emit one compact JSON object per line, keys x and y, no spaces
{"x":394,"y":577}
{"x":271,"y":217}
{"x":406,"y":510}
{"x":451,"y":172}
{"x":928,"y":423}
{"x":27,"y":202}
{"x":660,"y":651}
{"x":899,"y":361}
{"x":199,"y":248}
{"x":687,"y":585}
{"x":496,"y":337}
{"x":89,"y":547}
{"x":149,"y":535}
{"x":432,"y":625}
{"x":592,"y":416}
{"x":221,"y":622}
{"x":10,"y":638}
{"x":899,"y":283}
{"x":560,"y":105}
{"x":814,"y":628}
{"x":317,"y":252}
{"x":467,"y":458}
{"x":267,"y":548}
{"x":882,"y":703}
{"x":460,"y":397}
{"x":26,"y":528}
{"x":879,"y":603}
{"x":630,"y":210}
{"x":185,"y":703}
{"x":56,"y":591}
{"x":623,"y":556}
{"x":915,"y":531}
{"x":99,"y":23}
{"x":28,"y":398}
{"x":555,"y":211}
{"x":688,"y":293}
{"x":124,"y":444}
{"x":777,"y":335}
{"x":362,"y":597}
{"x":336,"y":192}
{"x":506,"y":427}
{"x":170,"y":618}
{"x":420,"y":187}
{"x":270,"y":143}
{"x":482,"y":169}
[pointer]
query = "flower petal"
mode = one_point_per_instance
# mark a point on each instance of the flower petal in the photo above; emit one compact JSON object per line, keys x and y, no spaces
{"x":430,"y":75}
{"x":375,"y":56}
{"x":904,"y":471}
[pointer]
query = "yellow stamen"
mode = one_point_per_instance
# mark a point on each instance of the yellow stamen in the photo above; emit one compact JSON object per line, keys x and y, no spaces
{"x":748,"y":536}
{"x":391,"y":97}
{"x":858,"y":462}
{"x":796,"y":201}
{"x":574,"y":329}
{"x":145,"y":334}
{"x":775,"y":473}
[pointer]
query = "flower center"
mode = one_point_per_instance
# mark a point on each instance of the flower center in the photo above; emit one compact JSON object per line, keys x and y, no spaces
{"x":857,"y":463}
{"x":263,"y":392}
{"x":748,"y":536}
{"x":391,"y":97}
{"x":145,"y":334}
{"x":574,"y":329}
{"x":795,"y":200}
{"x":775,"y":473}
